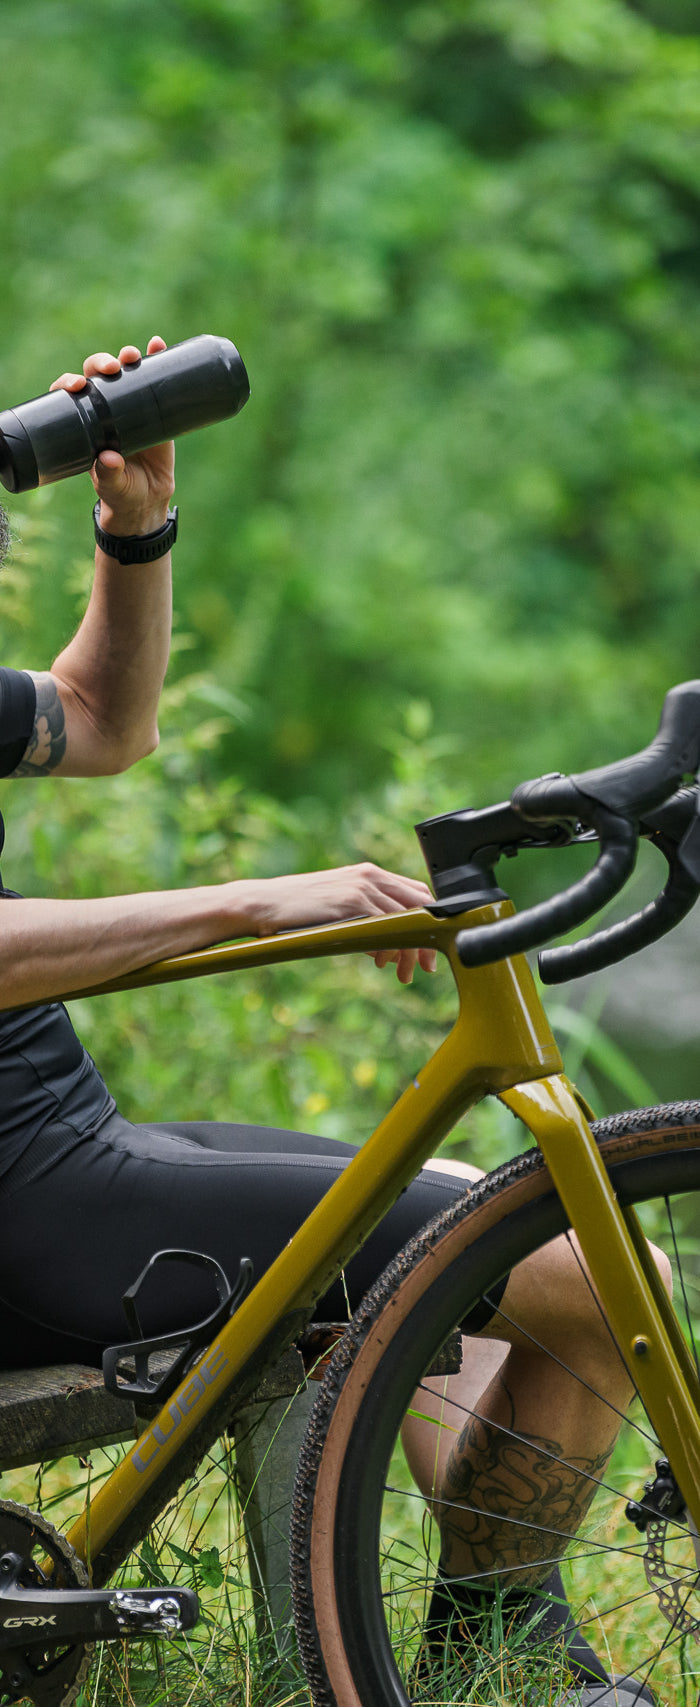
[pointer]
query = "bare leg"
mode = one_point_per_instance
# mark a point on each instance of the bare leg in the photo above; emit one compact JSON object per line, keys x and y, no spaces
{"x":548,"y":1474}
{"x":450,"y":1400}
{"x":532,"y":1440}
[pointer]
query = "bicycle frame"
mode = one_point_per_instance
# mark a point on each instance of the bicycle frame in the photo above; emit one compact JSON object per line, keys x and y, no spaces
{"x":501,"y":1044}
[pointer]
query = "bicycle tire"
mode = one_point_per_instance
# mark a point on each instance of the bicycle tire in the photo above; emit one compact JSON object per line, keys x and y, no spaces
{"x":342,"y":1607}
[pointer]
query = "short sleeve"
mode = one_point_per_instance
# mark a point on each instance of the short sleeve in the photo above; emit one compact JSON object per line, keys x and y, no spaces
{"x":17,"y":712}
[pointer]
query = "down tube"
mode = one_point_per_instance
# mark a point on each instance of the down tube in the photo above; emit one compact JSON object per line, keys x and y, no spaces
{"x":501,"y":1037}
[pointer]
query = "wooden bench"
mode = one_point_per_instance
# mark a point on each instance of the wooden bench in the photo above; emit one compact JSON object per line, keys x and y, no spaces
{"x":66,"y":1410}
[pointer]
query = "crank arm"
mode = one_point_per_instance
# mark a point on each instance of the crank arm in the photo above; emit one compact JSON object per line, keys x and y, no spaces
{"x":86,"y":1614}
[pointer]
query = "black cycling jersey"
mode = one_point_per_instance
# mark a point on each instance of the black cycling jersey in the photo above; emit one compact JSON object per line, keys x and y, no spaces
{"x":45,"y":1072}
{"x":17,"y":707}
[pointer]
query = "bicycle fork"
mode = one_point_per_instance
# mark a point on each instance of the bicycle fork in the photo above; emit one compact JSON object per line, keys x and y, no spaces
{"x":623,"y":1270}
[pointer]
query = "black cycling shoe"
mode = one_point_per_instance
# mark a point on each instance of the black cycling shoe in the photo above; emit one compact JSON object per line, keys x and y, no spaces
{"x":620,"y":1692}
{"x":540,"y":1620}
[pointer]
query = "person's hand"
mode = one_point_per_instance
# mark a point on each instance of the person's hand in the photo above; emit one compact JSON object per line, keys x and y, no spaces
{"x":133,"y":492}
{"x":346,"y":892}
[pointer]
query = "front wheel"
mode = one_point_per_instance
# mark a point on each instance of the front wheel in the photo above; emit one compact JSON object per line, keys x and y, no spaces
{"x":365,"y":1546}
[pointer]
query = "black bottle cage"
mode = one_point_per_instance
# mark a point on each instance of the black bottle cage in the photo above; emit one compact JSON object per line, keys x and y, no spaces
{"x":155,"y":1387}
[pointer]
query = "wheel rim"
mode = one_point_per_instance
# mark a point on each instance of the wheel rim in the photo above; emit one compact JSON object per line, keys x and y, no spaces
{"x":636,"y":1595}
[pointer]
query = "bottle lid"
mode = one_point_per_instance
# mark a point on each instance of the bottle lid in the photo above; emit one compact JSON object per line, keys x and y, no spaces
{"x":18,"y":466}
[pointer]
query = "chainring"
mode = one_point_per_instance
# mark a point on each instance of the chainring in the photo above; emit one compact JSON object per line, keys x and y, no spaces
{"x":49,"y":1676}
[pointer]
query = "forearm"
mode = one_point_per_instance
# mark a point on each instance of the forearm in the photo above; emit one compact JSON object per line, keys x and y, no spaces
{"x":49,"y":947}
{"x":112,"y":671}
{"x":110,"y":675}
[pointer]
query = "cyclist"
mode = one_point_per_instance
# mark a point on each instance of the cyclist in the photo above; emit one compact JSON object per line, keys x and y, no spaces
{"x":76,"y":1175}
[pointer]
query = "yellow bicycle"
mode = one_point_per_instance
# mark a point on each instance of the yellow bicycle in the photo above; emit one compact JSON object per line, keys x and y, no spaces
{"x":364,"y":1543}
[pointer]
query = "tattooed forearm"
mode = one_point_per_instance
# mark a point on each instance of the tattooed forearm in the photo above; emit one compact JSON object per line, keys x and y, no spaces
{"x":47,"y":742}
{"x":512,"y":1500}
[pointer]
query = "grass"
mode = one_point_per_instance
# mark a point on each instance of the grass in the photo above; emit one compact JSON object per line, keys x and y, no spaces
{"x":198,"y":1542}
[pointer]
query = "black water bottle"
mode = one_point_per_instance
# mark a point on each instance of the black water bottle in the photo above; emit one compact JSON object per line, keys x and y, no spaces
{"x":171,"y":392}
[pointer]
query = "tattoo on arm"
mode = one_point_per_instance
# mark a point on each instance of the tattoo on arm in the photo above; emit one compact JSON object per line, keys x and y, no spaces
{"x":47,"y":742}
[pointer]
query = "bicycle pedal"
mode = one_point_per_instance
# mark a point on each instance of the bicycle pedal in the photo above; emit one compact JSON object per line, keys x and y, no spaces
{"x":165,"y":1612}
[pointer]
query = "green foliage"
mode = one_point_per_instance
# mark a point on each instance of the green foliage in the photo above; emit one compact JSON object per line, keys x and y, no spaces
{"x":458,"y":245}
{"x":452,"y":539}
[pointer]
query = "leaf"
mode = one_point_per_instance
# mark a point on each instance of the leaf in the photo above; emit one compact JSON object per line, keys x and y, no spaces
{"x":150,"y":1563}
{"x":210,"y":1567}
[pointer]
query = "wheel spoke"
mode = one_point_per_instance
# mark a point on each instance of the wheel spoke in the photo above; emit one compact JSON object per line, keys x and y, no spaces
{"x":681,"y":1273}
{"x":553,"y":1457}
{"x":567,"y":1370}
{"x":631,"y":1620}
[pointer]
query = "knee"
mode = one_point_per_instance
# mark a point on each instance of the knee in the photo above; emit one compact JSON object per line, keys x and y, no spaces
{"x":660,"y":1258}
{"x":552,"y":1298}
{"x":591,"y":1318}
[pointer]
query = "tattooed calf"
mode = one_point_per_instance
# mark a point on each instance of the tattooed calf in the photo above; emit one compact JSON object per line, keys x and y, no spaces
{"x":512,"y":1501}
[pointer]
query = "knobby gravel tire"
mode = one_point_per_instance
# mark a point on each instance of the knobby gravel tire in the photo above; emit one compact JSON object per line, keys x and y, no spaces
{"x":340,"y":1603}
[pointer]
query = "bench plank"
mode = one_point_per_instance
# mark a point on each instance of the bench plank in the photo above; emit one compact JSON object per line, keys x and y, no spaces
{"x":45,"y":1413}
{"x":65,"y":1409}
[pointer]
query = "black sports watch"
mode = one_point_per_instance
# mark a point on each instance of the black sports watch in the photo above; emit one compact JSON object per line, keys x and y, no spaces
{"x":136,"y":547}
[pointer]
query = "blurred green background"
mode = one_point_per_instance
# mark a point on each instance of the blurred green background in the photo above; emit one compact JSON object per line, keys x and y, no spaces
{"x":453,"y":539}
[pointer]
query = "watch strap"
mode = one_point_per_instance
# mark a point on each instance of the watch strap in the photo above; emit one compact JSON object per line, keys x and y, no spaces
{"x":136,"y":547}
